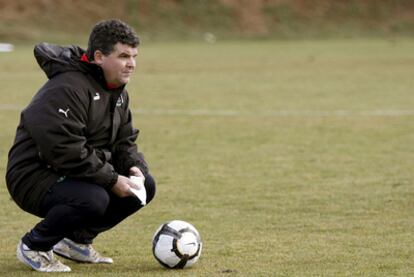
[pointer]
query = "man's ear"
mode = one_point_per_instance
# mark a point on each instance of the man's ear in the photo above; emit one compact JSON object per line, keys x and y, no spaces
{"x":98,"y":57}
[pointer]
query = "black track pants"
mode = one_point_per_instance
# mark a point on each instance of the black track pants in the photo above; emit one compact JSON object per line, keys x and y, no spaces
{"x":80,"y":211}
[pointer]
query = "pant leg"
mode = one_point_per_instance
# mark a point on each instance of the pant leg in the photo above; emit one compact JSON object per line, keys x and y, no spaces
{"x":118,"y":210}
{"x":68,"y":206}
{"x":80,"y":211}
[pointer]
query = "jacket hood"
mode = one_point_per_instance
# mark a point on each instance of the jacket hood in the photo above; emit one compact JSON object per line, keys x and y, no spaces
{"x":55,"y":59}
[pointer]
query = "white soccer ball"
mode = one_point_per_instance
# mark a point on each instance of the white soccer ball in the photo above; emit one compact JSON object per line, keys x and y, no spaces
{"x":177,"y":244}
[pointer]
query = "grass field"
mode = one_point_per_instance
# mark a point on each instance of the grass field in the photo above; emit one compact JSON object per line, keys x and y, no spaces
{"x":292,"y":158}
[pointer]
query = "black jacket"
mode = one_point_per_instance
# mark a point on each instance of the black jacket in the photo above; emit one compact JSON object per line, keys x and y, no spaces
{"x":75,"y":126}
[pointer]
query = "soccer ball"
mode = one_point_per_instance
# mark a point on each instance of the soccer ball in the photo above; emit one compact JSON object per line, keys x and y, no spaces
{"x":176,"y":244}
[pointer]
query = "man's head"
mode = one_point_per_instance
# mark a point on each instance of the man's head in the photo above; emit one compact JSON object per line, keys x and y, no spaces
{"x":105,"y":34}
{"x":113,"y":46}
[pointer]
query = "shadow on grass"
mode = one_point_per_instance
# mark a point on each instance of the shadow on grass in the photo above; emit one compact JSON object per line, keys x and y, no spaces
{"x":19,"y":269}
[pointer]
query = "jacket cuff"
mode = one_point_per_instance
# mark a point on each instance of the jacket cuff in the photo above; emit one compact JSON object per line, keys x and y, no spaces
{"x":106,"y":176}
{"x":112,"y":181}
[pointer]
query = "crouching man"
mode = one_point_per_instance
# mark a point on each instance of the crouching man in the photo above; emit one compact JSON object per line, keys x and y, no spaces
{"x":75,"y":150}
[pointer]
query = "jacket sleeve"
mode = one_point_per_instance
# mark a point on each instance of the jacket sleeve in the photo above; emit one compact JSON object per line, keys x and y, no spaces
{"x":56,"y":120}
{"x":125,"y":150}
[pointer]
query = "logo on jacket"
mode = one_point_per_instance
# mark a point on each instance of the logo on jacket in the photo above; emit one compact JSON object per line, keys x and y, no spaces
{"x":97,"y":96}
{"x":64,"y":112}
{"x":120,"y":101}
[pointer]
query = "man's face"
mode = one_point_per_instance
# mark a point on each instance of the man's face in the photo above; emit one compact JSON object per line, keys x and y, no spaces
{"x":119,"y":65}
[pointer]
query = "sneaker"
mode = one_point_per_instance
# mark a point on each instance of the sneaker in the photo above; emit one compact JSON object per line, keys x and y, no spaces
{"x":84,"y":253}
{"x":40,"y":260}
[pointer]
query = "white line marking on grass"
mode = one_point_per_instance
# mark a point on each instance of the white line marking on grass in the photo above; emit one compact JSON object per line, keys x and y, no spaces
{"x":268,"y":113}
{"x":276,"y":113}
{"x":10,"y":107}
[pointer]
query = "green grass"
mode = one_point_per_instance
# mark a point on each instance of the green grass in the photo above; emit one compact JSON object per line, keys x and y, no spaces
{"x":247,"y":142}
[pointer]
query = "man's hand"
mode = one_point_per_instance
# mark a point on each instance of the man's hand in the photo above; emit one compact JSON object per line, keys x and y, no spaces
{"x":135,"y":171}
{"x":122,"y":187}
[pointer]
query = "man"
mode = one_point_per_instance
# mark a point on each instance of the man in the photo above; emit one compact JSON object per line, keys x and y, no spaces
{"x":75,"y":149}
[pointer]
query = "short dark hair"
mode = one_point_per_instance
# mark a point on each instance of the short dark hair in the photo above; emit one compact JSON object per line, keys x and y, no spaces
{"x":105,"y":34}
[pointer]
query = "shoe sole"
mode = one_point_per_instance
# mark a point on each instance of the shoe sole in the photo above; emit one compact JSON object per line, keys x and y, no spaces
{"x":79,"y":261}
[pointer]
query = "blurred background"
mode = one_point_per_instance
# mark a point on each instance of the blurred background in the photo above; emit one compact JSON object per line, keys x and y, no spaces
{"x":210,"y":20}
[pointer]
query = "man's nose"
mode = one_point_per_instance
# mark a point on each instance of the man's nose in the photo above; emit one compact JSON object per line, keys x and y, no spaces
{"x":131,"y":63}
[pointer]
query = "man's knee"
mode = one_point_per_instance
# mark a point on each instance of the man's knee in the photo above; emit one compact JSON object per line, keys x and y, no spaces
{"x":150,"y":187}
